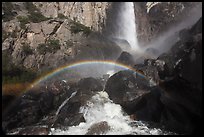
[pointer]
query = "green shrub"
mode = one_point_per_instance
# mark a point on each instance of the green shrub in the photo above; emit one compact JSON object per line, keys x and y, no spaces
{"x":26,"y":49}
{"x":30,"y":7}
{"x":54,"y":45}
{"x":8,"y":11}
{"x":42,"y":48}
{"x":61,"y":16}
{"x":23,"y":21}
{"x":77,"y":27}
{"x":51,"y":46}
{"x":35,"y":14}
{"x":69,"y":43}
{"x":12,"y":73}
{"x":14,"y":34}
{"x":37,"y":17}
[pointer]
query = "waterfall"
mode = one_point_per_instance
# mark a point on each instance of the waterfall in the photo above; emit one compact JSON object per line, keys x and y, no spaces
{"x":127,"y":25}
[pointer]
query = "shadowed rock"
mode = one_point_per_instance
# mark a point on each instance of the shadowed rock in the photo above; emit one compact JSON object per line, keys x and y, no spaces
{"x":98,"y":128}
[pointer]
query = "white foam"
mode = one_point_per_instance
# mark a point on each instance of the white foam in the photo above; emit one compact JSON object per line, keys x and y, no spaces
{"x":101,"y":108}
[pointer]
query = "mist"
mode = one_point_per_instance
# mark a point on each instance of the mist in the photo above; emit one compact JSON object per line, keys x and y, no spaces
{"x":75,"y":73}
{"x":167,"y":39}
{"x":119,"y":30}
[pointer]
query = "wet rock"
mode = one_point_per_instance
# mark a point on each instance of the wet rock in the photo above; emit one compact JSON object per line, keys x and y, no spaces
{"x":98,"y":128}
{"x":57,"y":87}
{"x":90,"y":84}
{"x":147,"y":107}
{"x":64,"y":121}
{"x":165,"y":65}
{"x":150,"y":71}
{"x":58,"y":92}
{"x":185,"y":35}
{"x":22,"y":113}
{"x":125,"y":46}
{"x":183,"y":103}
{"x":197,"y":28}
{"x":126,"y":86}
{"x":191,"y":66}
{"x":69,"y":115}
{"x":28,"y":109}
{"x":126,"y":58}
{"x":46,"y":102}
{"x":32,"y":130}
{"x":85,"y":89}
{"x":6,"y":101}
{"x":152,"y":52}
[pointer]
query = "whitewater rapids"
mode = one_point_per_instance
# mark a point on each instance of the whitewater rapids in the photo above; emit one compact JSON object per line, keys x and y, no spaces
{"x":100,"y":108}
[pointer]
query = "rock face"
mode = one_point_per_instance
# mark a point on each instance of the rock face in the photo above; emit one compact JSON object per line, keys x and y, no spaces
{"x":63,"y":24}
{"x":154,"y":18}
{"x":91,"y":14}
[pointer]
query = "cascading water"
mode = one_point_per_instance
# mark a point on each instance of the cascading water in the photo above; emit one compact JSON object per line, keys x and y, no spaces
{"x":127,"y":25}
{"x":101,"y":109}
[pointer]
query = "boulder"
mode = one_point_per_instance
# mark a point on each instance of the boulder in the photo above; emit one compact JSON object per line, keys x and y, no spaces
{"x":126,"y":58}
{"x":148,"y":107}
{"x":6,"y":101}
{"x":34,"y":131}
{"x":182,"y":103}
{"x":90,"y":84}
{"x":197,"y":28}
{"x":85,"y":88}
{"x":46,"y":102}
{"x":98,"y":128}
{"x":23,"y":113}
{"x":125,"y":86}
{"x":64,"y":121}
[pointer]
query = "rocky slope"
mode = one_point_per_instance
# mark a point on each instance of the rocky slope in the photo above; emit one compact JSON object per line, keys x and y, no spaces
{"x":60,"y":33}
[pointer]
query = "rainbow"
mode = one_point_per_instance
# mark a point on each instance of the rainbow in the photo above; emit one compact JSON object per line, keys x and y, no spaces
{"x":80,"y":63}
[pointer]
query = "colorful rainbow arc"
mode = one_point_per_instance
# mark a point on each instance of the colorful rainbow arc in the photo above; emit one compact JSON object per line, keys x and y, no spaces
{"x":79,"y":63}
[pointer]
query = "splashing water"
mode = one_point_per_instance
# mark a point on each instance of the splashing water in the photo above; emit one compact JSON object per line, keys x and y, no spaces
{"x":100,"y":108}
{"x":127,"y":25}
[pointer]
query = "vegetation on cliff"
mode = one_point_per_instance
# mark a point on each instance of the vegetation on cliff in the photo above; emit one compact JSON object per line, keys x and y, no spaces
{"x":77,"y":27}
{"x":8,"y":13}
{"x":51,"y":46}
{"x":35,"y":15}
{"x":15,"y":74}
